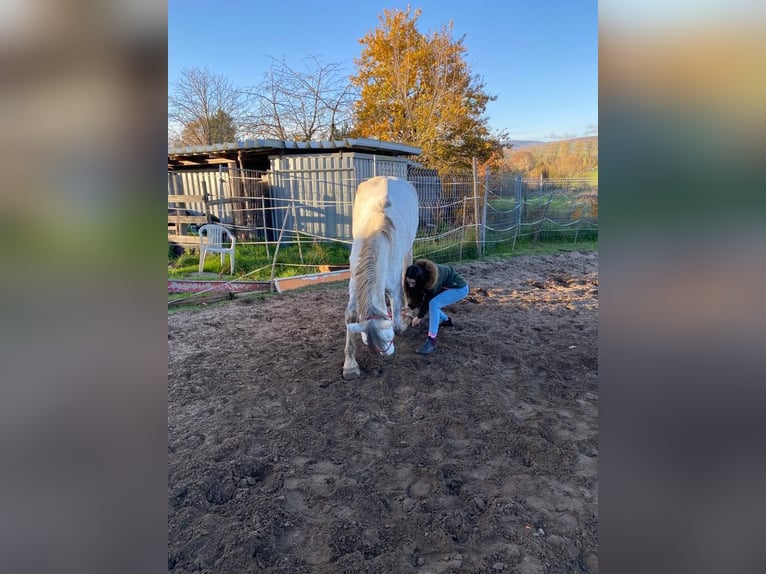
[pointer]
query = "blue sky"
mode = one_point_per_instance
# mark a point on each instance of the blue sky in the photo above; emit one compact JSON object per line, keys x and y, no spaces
{"x":539,"y":57}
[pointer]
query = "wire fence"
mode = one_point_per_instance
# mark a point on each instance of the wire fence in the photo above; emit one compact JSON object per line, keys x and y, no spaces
{"x":462,"y":215}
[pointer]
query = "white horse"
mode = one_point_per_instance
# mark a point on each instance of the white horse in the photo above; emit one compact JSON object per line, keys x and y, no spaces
{"x":384,"y":224}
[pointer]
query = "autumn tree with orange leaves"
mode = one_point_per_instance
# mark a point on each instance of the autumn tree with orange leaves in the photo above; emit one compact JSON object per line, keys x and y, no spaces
{"x":418,"y":90}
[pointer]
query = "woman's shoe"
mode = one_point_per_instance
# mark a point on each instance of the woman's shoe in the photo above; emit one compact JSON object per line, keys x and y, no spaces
{"x":428,"y":347}
{"x":447,"y":323}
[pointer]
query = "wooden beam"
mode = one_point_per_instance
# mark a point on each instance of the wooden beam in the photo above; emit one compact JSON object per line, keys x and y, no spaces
{"x":307,"y":280}
{"x":197,"y":286}
{"x":187,"y":219}
{"x":286,"y":284}
{"x":201,"y":161}
{"x":186,"y":198}
{"x":183,"y":240}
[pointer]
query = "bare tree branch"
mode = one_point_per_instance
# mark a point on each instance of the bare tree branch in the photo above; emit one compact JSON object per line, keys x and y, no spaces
{"x":316,"y":103}
{"x":198,"y":104}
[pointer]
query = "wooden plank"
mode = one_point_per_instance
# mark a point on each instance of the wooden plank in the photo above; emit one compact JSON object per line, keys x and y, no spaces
{"x":286,"y":284}
{"x":203,"y":160}
{"x":202,"y":299}
{"x":226,"y":200}
{"x":187,"y":219}
{"x":186,"y":198}
{"x":195,"y":286}
{"x":183,"y":239}
{"x":314,"y":279}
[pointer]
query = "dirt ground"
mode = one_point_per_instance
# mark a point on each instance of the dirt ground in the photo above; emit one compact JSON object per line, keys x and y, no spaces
{"x":479,"y":458}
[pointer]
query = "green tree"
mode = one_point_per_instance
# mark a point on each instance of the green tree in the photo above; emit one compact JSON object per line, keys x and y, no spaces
{"x":219,"y":128}
{"x":417,"y":89}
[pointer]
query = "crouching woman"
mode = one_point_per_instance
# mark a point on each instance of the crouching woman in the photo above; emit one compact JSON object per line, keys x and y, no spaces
{"x":429,"y":288}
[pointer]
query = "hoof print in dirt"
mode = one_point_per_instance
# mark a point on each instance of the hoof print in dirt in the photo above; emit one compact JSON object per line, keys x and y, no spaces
{"x":251,"y":473}
{"x":453,"y":482}
{"x":178,"y":498}
{"x":219,"y":490}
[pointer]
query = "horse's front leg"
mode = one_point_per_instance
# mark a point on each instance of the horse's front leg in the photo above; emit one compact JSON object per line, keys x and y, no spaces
{"x":400,"y":302}
{"x":350,"y":366}
{"x":396,"y":312}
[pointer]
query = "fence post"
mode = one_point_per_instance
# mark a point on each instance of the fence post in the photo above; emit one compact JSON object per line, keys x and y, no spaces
{"x":462,"y":239}
{"x":484,"y":210}
{"x":296,"y":225}
{"x":475,"y":174}
{"x":519,"y":208}
{"x":263,"y":193}
{"x":205,"y":200}
{"x":222,"y":194}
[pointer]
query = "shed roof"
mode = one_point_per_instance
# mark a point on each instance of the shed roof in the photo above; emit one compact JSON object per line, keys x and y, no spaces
{"x":270,"y":146}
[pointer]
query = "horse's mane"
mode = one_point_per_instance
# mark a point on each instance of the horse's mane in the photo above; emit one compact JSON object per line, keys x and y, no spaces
{"x":365,"y":273}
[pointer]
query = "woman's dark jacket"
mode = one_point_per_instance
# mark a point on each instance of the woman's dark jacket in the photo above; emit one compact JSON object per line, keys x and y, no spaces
{"x":438,"y":278}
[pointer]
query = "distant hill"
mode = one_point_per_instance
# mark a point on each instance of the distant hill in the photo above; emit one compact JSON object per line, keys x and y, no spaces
{"x":521,"y":144}
{"x":562,"y":158}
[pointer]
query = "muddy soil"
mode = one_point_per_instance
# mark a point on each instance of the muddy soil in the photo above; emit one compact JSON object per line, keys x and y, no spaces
{"x":479,"y":458}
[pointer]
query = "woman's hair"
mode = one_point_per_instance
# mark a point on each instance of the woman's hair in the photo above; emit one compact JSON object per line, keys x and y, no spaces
{"x":417,"y":273}
{"x":415,"y":294}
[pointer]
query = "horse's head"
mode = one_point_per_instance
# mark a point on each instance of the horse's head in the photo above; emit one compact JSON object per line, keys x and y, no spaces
{"x":377,"y":333}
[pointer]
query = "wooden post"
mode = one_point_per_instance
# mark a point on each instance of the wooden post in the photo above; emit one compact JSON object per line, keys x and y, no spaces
{"x":296,"y":227}
{"x":239,"y":213}
{"x":484,"y":210}
{"x":475,"y":175}
{"x":462,"y":239}
{"x":262,"y":193}
{"x":519,"y":208}
{"x":205,"y":200}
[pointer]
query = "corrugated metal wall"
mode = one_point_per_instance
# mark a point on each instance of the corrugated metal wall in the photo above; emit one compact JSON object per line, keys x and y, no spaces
{"x":429,"y":188}
{"x":196,"y":183}
{"x":316,"y":192}
{"x":311,"y":193}
{"x":368,"y":166}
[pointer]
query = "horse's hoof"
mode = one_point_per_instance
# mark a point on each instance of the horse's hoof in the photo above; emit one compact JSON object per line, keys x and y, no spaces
{"x":349,"y":374}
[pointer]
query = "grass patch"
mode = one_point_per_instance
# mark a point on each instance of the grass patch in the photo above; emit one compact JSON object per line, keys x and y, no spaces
{"x":503,"y":204}
{"x":528,"y":247}
{"x":254,"y":262}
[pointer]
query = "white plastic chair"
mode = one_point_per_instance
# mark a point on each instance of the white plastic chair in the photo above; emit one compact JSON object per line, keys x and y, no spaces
{"x":211,"y":239}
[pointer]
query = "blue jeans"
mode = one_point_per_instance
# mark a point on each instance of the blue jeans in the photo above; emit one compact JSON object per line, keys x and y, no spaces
{"x":435,"y":313}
